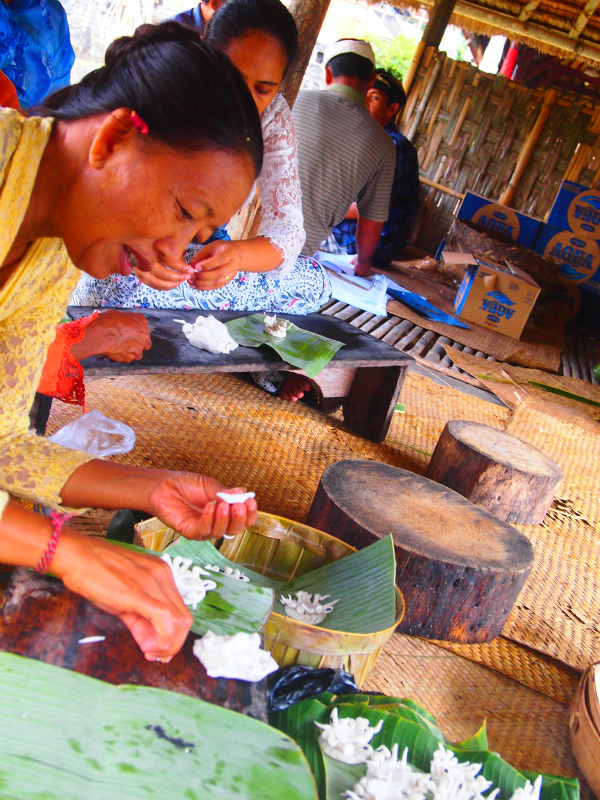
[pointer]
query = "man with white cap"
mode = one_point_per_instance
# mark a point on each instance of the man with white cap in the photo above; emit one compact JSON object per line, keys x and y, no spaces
{"x":343,"y":153}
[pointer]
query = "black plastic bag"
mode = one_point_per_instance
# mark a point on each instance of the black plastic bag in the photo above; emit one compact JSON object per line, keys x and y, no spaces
{"x":291,"y":684}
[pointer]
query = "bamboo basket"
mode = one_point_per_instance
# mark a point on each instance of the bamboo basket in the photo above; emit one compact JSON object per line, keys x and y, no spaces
{"x":282,"y":549}
{"x":584,"y":726}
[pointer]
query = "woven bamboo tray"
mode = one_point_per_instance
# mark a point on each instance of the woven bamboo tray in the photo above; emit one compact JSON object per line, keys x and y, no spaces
{"x":282,"y":549}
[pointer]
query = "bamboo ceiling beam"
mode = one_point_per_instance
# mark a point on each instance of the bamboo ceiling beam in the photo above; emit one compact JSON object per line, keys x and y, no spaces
{"x":583,"y":19}
{"x":439,"y":17}
{"x":528,"y":10}
{"x":309,"y":16}
{"x":509,"y":25}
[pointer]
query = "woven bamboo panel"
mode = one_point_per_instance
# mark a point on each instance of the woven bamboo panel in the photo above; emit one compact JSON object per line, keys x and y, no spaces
{"x":471,"y":131}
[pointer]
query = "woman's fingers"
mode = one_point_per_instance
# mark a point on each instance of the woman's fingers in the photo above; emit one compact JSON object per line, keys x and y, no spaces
{"x":138,"y":589}
{"x":165,"y":278}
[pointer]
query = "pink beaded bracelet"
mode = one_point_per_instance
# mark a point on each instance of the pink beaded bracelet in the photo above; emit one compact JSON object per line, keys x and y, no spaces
{"x":58,"y":519}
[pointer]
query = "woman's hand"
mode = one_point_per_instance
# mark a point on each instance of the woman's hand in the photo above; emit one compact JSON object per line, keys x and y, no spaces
{"x":119,"y":335}
{"x":165,"y":278}
{"x":188,"y":503}
{"x":216,"y":264}
{"x":136,"y":588}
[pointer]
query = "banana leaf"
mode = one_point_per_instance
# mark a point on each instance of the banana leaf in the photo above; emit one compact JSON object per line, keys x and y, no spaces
{"x":364,"y":583}
{"x":300,"y":348}
{"x":232,"y":607}
{"x":66,"y":736}
{"x":399,"y":728}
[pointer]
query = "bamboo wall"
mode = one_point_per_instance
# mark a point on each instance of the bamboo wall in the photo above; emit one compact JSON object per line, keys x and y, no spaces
{"x":471,"y":129}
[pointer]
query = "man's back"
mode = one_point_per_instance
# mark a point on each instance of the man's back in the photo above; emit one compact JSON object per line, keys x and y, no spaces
{"x":343,"y":155}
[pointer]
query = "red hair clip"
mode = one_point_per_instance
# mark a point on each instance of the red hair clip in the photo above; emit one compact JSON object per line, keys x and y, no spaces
{"x":139,"y":123}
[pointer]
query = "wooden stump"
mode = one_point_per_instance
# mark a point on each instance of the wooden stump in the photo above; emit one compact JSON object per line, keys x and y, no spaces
{"x":509,"y":478}
{"x":460,"y":569}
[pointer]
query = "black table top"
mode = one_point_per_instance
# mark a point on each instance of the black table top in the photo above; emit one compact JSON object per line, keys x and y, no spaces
{"x":171,"y":352}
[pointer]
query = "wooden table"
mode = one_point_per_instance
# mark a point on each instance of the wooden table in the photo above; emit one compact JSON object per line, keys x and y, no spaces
{"x":364,"y":377}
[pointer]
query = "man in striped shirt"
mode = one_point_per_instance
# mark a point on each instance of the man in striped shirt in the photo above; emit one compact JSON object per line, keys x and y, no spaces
{"x":344,"y":155}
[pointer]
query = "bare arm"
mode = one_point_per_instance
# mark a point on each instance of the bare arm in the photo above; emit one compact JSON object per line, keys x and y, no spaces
{"x":368,"y":232}
{"x":352,"y":212}
{"x":139,"y":589}
{"x":184,"y":500}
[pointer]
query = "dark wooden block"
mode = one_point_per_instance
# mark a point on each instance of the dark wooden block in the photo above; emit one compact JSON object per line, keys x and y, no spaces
{"x":509,"y":478}
{"x":459,"y":569}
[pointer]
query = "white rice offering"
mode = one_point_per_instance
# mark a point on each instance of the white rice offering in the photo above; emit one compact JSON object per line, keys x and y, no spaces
{"x":455,"y":780}
{"x":305,"y":609}
{"x":238,"y":656}
{"x":347,"y":739}
{"x":276,"y":327}
{"x":208,"y":333}
{"x":390,"y":779}
{"x":191,"y":583}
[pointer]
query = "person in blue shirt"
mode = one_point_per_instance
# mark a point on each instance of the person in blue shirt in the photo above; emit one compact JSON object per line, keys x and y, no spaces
{"x":199,"y":16}
{"x":384,"y":101}
{"x":35,"y":48}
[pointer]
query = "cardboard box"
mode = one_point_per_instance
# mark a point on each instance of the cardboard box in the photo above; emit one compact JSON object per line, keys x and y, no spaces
{"x":497,"y":296}
{"x":512,"y":224}
{"x":577,"y":209}
{"x":578,"y":255}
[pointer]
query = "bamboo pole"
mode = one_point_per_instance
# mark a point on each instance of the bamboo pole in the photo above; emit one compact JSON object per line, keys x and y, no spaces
{"x":441,"y":57}
{"x":529,"y":146}
{"x":442,"y":188}
{"x":583,"y":19}
{"x":413,"y":67}
{"x":528,"y":10}
{"x":439,"y":18}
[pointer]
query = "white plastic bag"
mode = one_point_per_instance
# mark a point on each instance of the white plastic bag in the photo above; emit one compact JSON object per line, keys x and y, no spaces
{"x":96,"y":434}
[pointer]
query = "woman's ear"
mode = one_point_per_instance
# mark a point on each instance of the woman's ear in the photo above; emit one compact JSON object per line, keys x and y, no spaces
{"x":114,"y":130}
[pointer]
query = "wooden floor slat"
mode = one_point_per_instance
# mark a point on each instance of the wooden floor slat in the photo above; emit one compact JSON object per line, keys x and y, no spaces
{"x":581,"y":355}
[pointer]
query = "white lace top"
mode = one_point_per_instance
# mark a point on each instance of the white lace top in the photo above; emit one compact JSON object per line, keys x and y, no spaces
{"x":279,"y":185}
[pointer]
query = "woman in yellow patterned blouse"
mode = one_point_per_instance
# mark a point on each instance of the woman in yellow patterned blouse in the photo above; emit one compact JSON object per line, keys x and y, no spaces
{"x":124,"y":169}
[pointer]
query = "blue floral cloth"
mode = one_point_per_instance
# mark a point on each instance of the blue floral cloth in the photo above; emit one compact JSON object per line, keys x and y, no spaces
{"x":404,"y":202}
{"x":35,"y":48}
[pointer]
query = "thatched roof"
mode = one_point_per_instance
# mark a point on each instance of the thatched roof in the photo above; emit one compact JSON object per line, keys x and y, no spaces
{"x":559,"y":27}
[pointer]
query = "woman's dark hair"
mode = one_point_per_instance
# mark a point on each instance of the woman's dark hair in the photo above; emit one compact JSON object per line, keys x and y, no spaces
{"x":236,"y":17}
{"x":188,"y":93}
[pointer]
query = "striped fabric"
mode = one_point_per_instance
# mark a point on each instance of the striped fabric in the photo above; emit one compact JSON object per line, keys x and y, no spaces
{"x":343,"y":155}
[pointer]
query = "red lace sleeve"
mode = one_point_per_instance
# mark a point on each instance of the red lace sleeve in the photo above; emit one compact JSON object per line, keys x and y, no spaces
{"x":62,"y":375}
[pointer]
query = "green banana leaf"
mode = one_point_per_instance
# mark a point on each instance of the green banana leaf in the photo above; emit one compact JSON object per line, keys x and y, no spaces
{"x":66,"y":736}
{"x":564,"y":393}
{"x":414,"y":732}
{"x":300,"y":348}
{"x":364,"y":583}
{"x":232,"y":607}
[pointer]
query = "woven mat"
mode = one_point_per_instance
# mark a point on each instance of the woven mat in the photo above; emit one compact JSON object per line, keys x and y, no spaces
{"x":536,"y":349}
{"x":528,"y":730}
{"x":225,"y":427}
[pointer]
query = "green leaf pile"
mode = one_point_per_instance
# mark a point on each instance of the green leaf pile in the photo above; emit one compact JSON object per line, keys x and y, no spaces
{"x":364,"y":583}
{"x":406,"y":724}
{"x":66,"y":736}
{"x":299,"y":347}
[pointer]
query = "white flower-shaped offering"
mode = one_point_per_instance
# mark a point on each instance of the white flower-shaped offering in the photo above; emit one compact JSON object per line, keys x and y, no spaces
{"x":305,"y":609}
{"x":231,"y":497}
{"x":208,"y":333}
{"x":347,"y":739}
{"x":191,"y":583}
{"x":390,"y":779}
{"x":276,"y":327}
{"x":238,"y":656}
{"x":529,"y":792}
{"x":454,"y":780}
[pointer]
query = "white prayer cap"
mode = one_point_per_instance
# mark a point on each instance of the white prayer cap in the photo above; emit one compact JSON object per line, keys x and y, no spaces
{"x":357,"y":46}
